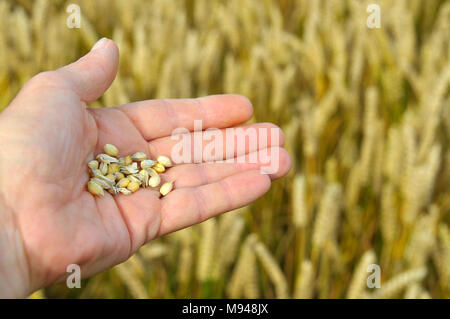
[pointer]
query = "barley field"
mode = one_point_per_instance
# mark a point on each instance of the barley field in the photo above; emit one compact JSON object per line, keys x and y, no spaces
{"x":366,"y":116}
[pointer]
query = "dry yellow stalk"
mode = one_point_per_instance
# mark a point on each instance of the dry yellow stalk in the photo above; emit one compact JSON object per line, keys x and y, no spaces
{"x":242,"y":280}
{"x":206,"y":249}
{"x":299,"y":210}
{"x":359,"y":278}
{"x":131,"y":281}
{"x":396,"y":284}
{"x":273,"y":271}
{"x":229,"y":246}
{"x":304,"y":284}
{"x":327,"y":217}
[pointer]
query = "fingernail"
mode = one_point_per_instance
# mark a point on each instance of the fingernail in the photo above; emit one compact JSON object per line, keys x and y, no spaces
{"x":99,"y":44}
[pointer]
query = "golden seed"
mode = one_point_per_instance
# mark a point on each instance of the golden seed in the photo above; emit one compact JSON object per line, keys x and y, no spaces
{"x":139,"y":156}
{"x":138,"y":176}
{"x":118,"y":176}
{"x":128,"y":160}
{"x":143,"y":172}
{"x":126,"y":174}
{"x":111,"y":150}
{"x":95,"y":172}
{"x":123,"y":182}
{"x":93,"y":164}
{"x":103,"y":168}
{"x":133,"y":186}
{"x":164,"y":160}
{"x":134,"y":178}
{"x":129,"y":169}
{"x":124,"y":191}
{"x":95,"y":189}
{"x":113,"y":190}
{"x":113,"y":168}
{"x":111,"y":177}
{"x":158,"y":167}
{"x":105,"y":179}
{"x":166,"y":188}
{"x":152,"y":172}
{"x":102,"y":183}
{"x":146,"y":164}
{"x":104,"y":158}
{"x":145,"y":175}
{"x":154,"y":181}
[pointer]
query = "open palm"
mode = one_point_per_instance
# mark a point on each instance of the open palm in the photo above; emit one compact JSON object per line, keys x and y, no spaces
{"x":48,"y":220}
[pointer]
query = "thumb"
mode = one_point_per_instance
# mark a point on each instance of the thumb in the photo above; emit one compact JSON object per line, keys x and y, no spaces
{"x":91,"y":75}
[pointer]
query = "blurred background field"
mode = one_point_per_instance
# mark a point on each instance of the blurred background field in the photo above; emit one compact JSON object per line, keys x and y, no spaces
{"x":366,"y":114}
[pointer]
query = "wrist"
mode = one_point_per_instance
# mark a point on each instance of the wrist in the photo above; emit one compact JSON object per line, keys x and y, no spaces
{"x":14,"y":273}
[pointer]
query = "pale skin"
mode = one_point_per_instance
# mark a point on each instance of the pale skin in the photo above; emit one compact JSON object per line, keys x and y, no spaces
{"x":48,"y":219}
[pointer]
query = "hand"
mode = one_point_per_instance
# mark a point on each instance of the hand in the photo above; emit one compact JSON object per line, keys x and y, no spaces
{"x":48,"y":220}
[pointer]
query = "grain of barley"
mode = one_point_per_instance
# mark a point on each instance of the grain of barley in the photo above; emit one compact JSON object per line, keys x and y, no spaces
{"x":133,"y":186}
{"x":159,"y":168}
{"x":165,"y":188}
{"x":95,"y":189}
{"x":103,"y":168}
{"x":164,"y":160}
{"x":111,"y":150}
{"x":93,"y":164}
